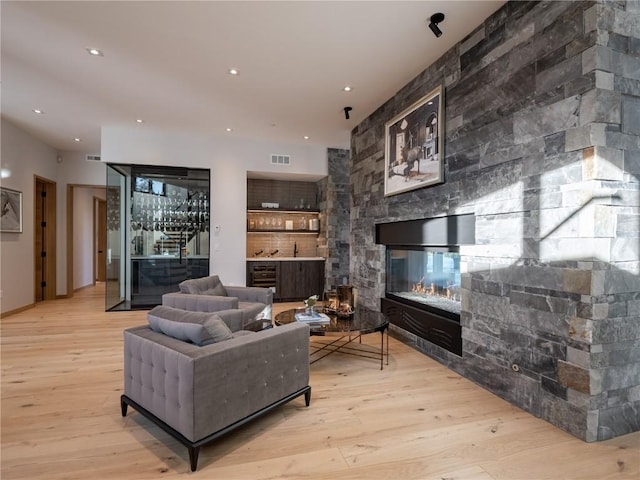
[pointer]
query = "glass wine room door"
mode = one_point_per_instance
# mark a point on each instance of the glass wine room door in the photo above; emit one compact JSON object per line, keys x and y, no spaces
{"x":117,"y":187}
{"x":166,"y":227}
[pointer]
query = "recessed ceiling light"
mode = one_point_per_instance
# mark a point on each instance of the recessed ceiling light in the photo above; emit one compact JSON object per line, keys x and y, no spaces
{"x":233,"y":71}
{"x":95,"y":52}
{"x":38,"y":111}
{"x":229,"y":129}
{"x":76,"y":139}
{"x":347,"y":88}
{"x":306,"y":137}
{"x":139,"y":120}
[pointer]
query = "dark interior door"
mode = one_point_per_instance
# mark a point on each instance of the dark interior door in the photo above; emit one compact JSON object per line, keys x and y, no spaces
{"x":101,"y":240}
{"x":45,"y":240}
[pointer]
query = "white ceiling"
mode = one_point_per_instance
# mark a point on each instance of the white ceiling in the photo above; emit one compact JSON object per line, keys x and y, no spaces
{"x":167,"y":63}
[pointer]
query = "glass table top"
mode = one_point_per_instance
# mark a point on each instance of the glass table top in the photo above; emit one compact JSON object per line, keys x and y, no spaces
{"x":360,"y":322}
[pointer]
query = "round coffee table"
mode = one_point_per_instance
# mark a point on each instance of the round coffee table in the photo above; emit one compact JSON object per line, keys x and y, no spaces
{"x":344,"y":332}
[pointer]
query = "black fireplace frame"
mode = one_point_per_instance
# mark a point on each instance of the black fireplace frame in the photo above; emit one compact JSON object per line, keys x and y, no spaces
{"x":438,"y":327}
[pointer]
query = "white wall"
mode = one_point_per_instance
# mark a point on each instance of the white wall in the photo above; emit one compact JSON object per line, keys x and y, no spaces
{"x":25,"y":157}
{"x":83,"y":253}
{"x":229,"y":160}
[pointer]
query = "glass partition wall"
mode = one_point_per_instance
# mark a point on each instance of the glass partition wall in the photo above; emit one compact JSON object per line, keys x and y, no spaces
{"x":158,"y":232}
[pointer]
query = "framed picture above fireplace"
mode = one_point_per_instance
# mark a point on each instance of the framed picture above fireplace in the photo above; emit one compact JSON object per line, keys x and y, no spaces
{"x":414,"y":145}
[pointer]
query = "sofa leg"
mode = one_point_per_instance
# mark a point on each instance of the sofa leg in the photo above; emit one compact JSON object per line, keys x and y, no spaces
{"x":307,"y":397}
{"x":193,"y":457}
{"x":123,"y":406}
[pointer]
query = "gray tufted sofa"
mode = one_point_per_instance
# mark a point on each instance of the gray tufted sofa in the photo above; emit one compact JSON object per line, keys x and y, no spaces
{"x":199,"y":393}
{"x":207,"y":294}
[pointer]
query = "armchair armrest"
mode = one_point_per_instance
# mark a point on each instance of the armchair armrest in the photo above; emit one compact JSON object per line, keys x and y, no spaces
{"x":251,"y":294}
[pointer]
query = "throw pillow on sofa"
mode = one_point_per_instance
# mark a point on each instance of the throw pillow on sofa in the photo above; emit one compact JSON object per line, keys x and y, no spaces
{"x":203,"y":286}
{"x":187,"y":332}
{"x":199,"y":328}
{"x":218,"y":291}
{"x":218,"y":329}
{"x":179,"y":315}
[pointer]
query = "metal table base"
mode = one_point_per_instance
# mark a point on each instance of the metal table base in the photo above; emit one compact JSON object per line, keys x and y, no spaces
{"x":346,"y":344}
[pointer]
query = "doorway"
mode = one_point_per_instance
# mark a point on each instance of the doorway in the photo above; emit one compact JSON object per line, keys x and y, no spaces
{"x":44,"y":239}
{"x":83,"y":223}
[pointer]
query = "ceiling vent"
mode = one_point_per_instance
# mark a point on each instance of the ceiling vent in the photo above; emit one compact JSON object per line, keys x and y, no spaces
{"x":281,"y":159}
{"x":93,"y":158}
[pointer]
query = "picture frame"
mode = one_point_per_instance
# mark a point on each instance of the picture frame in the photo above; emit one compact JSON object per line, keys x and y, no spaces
{"x":414,"y":145}
{"x":10,"y":210}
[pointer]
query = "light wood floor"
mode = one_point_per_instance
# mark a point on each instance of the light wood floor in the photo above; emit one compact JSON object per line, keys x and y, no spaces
{"x":62,"y":379}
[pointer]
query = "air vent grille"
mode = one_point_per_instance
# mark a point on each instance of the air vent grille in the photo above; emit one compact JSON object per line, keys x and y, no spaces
{"x":93,"y":158}
{"x":281,"y":159}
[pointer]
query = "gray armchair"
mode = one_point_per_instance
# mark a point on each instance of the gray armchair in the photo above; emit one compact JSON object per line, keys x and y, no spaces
{"x":241,"y":305}
{"x":198,"y":380}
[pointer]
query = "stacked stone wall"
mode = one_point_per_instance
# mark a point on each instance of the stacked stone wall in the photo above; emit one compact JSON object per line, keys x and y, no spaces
{"x":542,"y":144}
{"x":333,"y":194}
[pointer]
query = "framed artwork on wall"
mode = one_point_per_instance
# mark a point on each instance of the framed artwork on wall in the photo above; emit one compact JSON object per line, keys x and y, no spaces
{"x":10,"y":210}
{"x":414,"y":145}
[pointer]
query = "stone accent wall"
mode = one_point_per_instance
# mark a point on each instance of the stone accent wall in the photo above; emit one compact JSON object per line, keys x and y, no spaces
{"x":333,"y":193}
{"x":542,"y":144}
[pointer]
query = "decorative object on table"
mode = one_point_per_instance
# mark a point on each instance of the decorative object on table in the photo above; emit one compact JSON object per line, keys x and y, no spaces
{"x":313,"y":317}
{"x":346,"y":301}
{"x":10,"y":210}
{"x":344,"y":310}
{"x":414,"y":145}
{"x":309,"y":314}
{"x":331,"y":301}
{"x":310,"y":303}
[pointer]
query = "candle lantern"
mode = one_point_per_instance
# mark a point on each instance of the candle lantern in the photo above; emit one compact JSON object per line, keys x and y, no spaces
{"x":331,"y":301}
{"x":346,"y":300}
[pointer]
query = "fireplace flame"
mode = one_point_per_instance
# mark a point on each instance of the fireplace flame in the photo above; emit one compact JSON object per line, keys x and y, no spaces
{"x":451,"y":291}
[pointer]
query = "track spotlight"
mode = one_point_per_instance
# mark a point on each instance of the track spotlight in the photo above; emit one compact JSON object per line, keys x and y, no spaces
{"x":436,"y":18}
{"x":346,"y":112}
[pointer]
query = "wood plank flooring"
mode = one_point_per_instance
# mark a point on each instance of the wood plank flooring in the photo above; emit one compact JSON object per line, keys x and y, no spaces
{"x":62,"y":380}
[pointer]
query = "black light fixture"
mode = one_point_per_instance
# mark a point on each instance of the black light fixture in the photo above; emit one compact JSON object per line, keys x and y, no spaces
{"x":436,"y":18}
{"x":346,"y":112}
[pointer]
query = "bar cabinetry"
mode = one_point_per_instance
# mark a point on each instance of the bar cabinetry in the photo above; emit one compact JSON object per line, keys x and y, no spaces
{"x":291,"y":279}
{"x":263,"y":274}
{"x":300,"y":279}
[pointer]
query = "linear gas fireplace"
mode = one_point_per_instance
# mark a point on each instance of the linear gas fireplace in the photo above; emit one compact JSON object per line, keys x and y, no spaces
{"x":423,"y":280}
{"x":428,"y":278}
